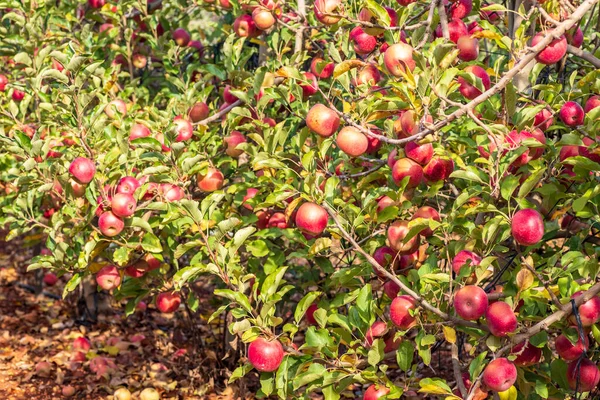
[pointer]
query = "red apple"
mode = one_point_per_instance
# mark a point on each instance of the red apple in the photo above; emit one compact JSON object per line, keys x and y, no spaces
{"x":363,"y":42}
{"x":82,"y":169}
{"x":234,"y":139}
{"x":470,"y":91}
{"x":181,"y":37}
{"x":405,"y":167}
{"x":591,"y":103}
{"x":263,"y":18}
{"x":227,"y":96}
{"x":571,"y":114}
{"x":108,"y":278}
{"x":457,"y":29}
{"x":427,"y":212}
{"x":139,"y":131}
{"x":574,"y":37}
{"x":213,"y":180}
{"x":589,"y":312}
{"x":277,"y":220}
{"x":115,"y":108}
{"x":368,"y":75}
{"x":396,"y":235}
{"x":468,"y":48}
{"x":527,"y":354}
{"x":18,"y":95}
{"x":250,"y":193}
{"x":397,"y":58}
{"x":400,"y":312}
{"x":391,"y":289}
{"x":460,"y":9}
{"x":543,"y":120}
{"x":321,"y":69}
{"x":109,"y":224}
{"x":375,"y":391}
{"x":438,"y":169}
{"x":499,"y":375}
{"x":569,"y":351}
{"x":128,"y":184}
{"x":352,"y":142}
{"x":327,"y":11}
{"x":385,"y":256}
{"x":384,"y":202}
{"x":244,"y":26}
{"x":322,"y":120}
{"x":43,"y":369}
{"x":3,"y":82}
{"x":123,"y":204}
{"x":310,"y":314}
{"x":527,"y":227}
{"x":419,"y":153}
{"x":81,"y":344}
{"x":183,"y":128}
{"x":470,"y":302}
{"x":198,"y":111}
{"x":312,"y":219}
{"x":265,"y":355}
{"x":583,"y":375}
{"x":501,"y":319}
{"x":311,"y":87}
{"x":50,"y":279}
{"x":168,"y":302}
{"x":375,"y":331}
{"x":462,"y":258}
{"x":554,"y":52}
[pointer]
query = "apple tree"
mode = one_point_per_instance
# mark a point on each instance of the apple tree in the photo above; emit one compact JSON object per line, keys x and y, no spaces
{"x":368,"y":185}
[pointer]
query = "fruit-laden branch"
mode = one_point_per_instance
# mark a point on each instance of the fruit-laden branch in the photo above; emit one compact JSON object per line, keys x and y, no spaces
{"x":422,"y":302}
{"x":530,"y":54}
{"x":219,"y":114}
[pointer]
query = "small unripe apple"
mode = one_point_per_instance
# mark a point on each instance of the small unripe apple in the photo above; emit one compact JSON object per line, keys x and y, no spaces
{"x":263,"y":18}
{"x":589,"y":312}
{"x":583,"y":375}
{"x":322,"y":120}
{"x":554,"y":52}
{"x":244,"y":26}
{"x":352,"y":142}
{"x":527,"y":354}
{"x":109,"y":224}
{"x":400,"y":314}
{"x":405,"y":167}
{"x":398,"y":57}
{"x":396,"y":234}
{"x":108,"y":278}
{"x":265,"y":355}
{"x":149,"y":394}
{"x":571,"y":114}
{"x":198,"y":111}
{"x":122,"y":394}
{"x":374,"y":392}
{"x":501,"y":319}
{"x":499,"y":375}
{"x":569,"y":351}
{"x":168,"y":302}
{"x":470,"y":91}
{"x":82,"y":169}
{"x":233,"y":140}
{"x":312,"y":219}
{"x":213,"y":180}
{"x":327,"y":11}
{"x":181,"y":37}
{"x":139,"y":131}
{"x":115,"y":108}
{"x":128,"y":184}
{"x":527,"y":227}
{"x":470,"y":302}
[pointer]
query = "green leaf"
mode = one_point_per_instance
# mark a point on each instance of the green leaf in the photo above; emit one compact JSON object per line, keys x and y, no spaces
{"x":404,"y":355}
{"x":508,"y":186}
{"x":303,"y":305}
{"x":238,"y":297}
{"x":72,"y":284}
{"x":376,"y":352}
{"x":151,"y":243}
{"x":240,"y":372}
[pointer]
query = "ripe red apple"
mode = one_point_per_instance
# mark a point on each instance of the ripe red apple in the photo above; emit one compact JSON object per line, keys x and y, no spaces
{"x":183,"y":128}
{"x":527,"y":354}
{"x":438,"y":169}
{"x":139,"y":131}
{"x":470,"y":91}
{"x":571,"y":114}
{"x":168,"y":302}
{"x":77,"y":188}
{"x":244,"y":26}
{"x":589,"y":312}
{"x":398,"y":57}
{"x":227,"y":96}
{"x":405,"y":167}
{"x":181,"y":37}
{"x":233,"y":140}
{"x":18,"y":95}
{"x":501,"y":319}
{"x":82,"y":169}
{"x":310,"y":314}
{"x":457,"y":29}
{"x":391,"y":289}
{"x":470,"y":302}
{"x":399,"y":312}
{"x":128,"y":184}
{"x":462,"y":258}
{"x":3,"y":82}
{"x":460,"y":9}
{"x":81,"y":344}
{"x":385,"y":256}
{"x":375,"y":391}
{"x":250,"y":193}
{"x":427,"y":212}
{"x":326,"y":69}
{"x":554,"y":52}
{"x":543,"y":120}
{"x":139,"y":60}
{"x":265,"y":355}
{"x":384,"y":202}
{"x":311,"y":87}
{"x":468,"y":48}
{"x":591,"y":103}
{"x":368,"y":75}
{"x":499,"y":375}
{"x":263,"y":18}
{"x":527,"y":227}
{"x":352,"y":142}
{"x":569,"y":351}
{"x":375,"y":331}
{"x":419,"y":153}
{"x":574,"y":36}
{"x":50,"y":279}
{"x":363,"y":42}
{"x":115,"y":108}
{"x":583,"y":375}
{"x":123,"y":205}
{"x":396,"y":233}
{"x":96,"y":3}
{"x":322,"y":120}
{"x":108,"y":278}
{"x":198,"y":111}
{"x":277,"y":220}
{"x":109,"y":224}
{"x":327,"y":11}
{"x":213,"y":180}
{"x":408,"y":124}
{"x":312,"y":219}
